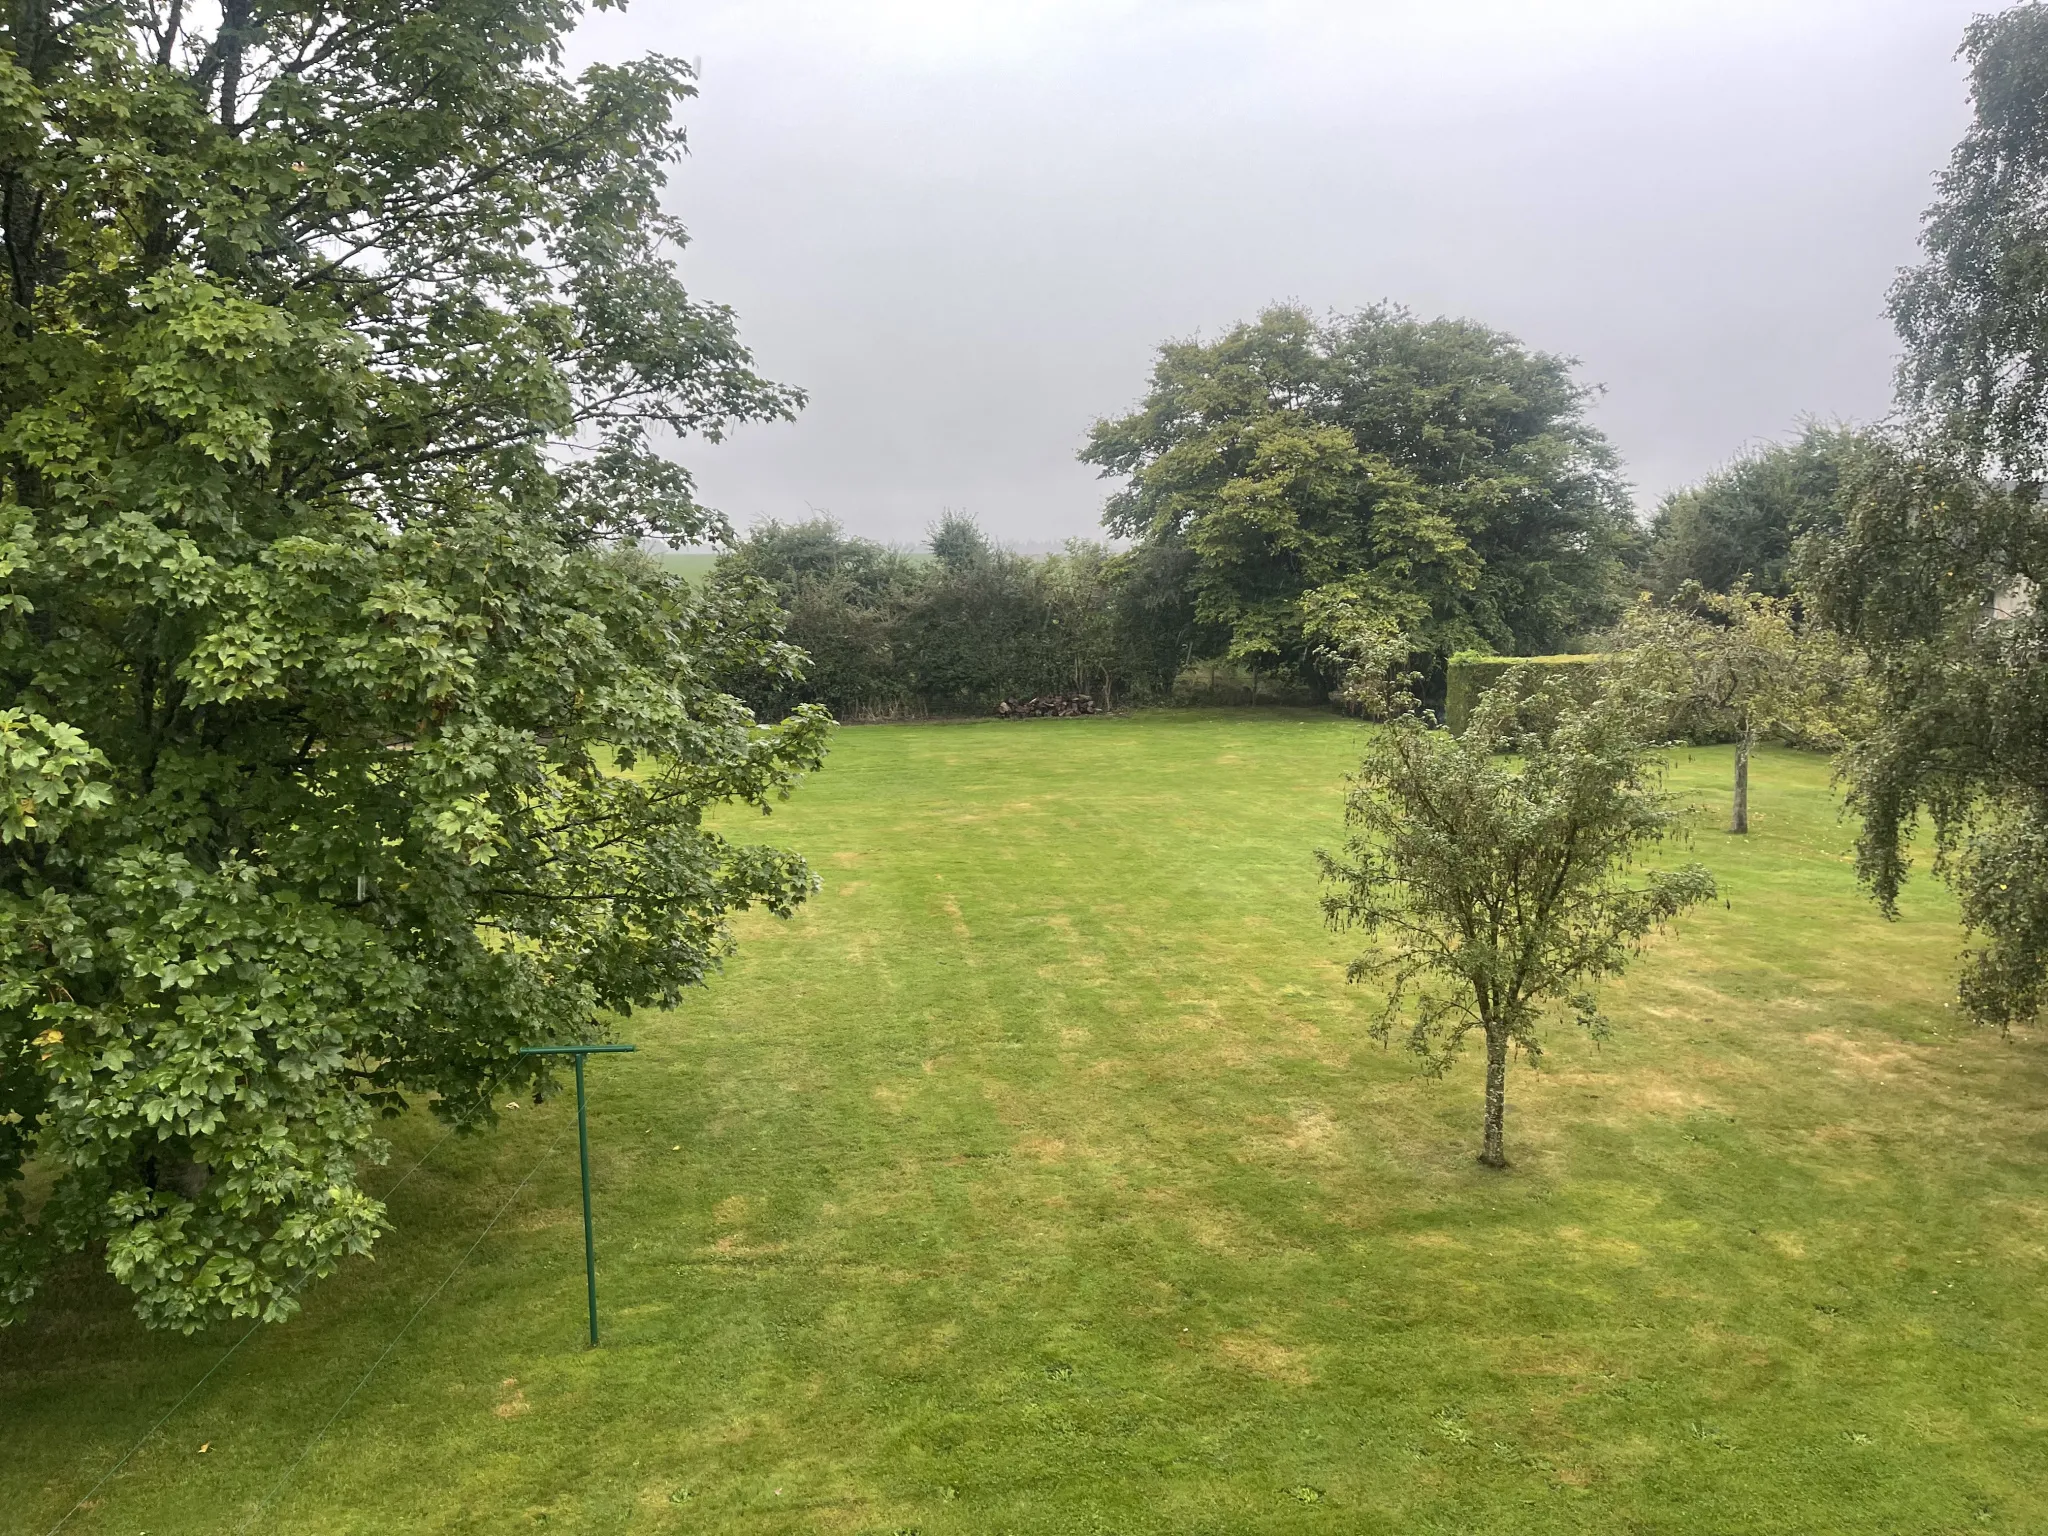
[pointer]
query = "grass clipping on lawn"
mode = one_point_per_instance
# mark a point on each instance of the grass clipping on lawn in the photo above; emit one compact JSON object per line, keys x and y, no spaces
{"x":1040,"y":1176}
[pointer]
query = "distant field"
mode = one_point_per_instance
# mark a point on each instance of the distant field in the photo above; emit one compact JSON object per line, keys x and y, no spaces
{"x":694,"y":565}
{"x":1040,"y":1178}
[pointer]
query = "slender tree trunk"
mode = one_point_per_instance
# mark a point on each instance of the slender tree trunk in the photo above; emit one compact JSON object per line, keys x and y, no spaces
{"x":21,"y":202}
{"x":23,"y":205}
{"x":1738,"y":821}
{"x":1491,"y":1151}
{"x":167,"y":49}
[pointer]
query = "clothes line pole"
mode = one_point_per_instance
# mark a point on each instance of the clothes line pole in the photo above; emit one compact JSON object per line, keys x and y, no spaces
{"x":577,"y":1053}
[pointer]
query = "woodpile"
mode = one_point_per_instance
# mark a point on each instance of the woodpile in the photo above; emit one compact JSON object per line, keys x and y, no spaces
{"x":1062,"y":705}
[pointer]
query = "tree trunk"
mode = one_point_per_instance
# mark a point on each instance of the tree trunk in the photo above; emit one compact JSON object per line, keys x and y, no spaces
{"x":1491,"y":1152}
{"x":1738,"y":821}
{"x":22,"y":203}
{"x":234,"y":40}
{"x":167,"y":47}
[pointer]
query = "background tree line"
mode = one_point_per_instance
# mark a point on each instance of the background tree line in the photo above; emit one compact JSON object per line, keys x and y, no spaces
{"x":890,"y":633}
{"x":1281,"y":486}
{"x":1276,"y":484}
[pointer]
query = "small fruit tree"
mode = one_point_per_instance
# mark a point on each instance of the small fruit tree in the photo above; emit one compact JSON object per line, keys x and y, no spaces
{"x":1495,"y":871}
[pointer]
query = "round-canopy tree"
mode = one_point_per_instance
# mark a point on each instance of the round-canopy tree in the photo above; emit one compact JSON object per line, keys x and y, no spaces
{"x":346,"y":749}
{"x":1434,"y":475}
{"x":1745,"y":662}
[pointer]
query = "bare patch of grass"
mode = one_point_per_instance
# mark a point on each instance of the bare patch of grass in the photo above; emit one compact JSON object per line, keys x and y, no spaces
{"x":1266,"y":1357}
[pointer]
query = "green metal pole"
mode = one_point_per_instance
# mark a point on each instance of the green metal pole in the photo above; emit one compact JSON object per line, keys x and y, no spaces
{"x":589,"y":1241}
{"x":578,"y":1052}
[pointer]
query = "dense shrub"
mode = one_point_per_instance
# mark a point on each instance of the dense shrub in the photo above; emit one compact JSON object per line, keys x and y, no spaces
{"x":959,"y":629}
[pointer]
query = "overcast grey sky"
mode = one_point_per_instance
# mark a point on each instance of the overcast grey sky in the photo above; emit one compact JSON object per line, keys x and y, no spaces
{"x":965,"y":225}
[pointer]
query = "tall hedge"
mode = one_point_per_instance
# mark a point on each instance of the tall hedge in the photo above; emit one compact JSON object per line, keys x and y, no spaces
{"x":1469,"y":674}
{"x":892,"y":635}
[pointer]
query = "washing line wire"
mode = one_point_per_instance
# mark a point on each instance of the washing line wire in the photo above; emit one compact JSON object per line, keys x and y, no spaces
{"x":150,"y":1433}
{"x":377,"y":1364}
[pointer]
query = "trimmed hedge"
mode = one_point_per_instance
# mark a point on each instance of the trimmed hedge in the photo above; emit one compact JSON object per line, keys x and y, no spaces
{"x":1469,"y":674}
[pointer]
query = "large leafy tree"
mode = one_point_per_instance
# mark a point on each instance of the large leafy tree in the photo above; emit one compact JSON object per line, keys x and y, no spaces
{"x":346,"y":748}
{"x":1940,"y":570}
{"x":1433,"y":475}
{"x":1744,"y":523}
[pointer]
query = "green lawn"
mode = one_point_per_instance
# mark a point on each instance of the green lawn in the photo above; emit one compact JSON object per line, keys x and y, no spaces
{"x":693,"y":565}
{"x":1040,"y":1177}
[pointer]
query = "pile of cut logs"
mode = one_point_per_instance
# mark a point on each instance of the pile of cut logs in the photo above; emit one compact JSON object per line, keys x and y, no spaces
{"x":1061,"y":704}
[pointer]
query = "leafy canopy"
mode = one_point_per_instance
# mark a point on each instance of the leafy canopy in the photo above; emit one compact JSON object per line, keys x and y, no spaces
{"x":1974,"y":314}
{"x":1743,"y":664}
{"x":1493,"y":871}
{"x":1940,"y":569}
{"x":1743,"y":524}
{"x":346,"y":751}
{"x":1938,"y":576}
{"x":1433,"y":474}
